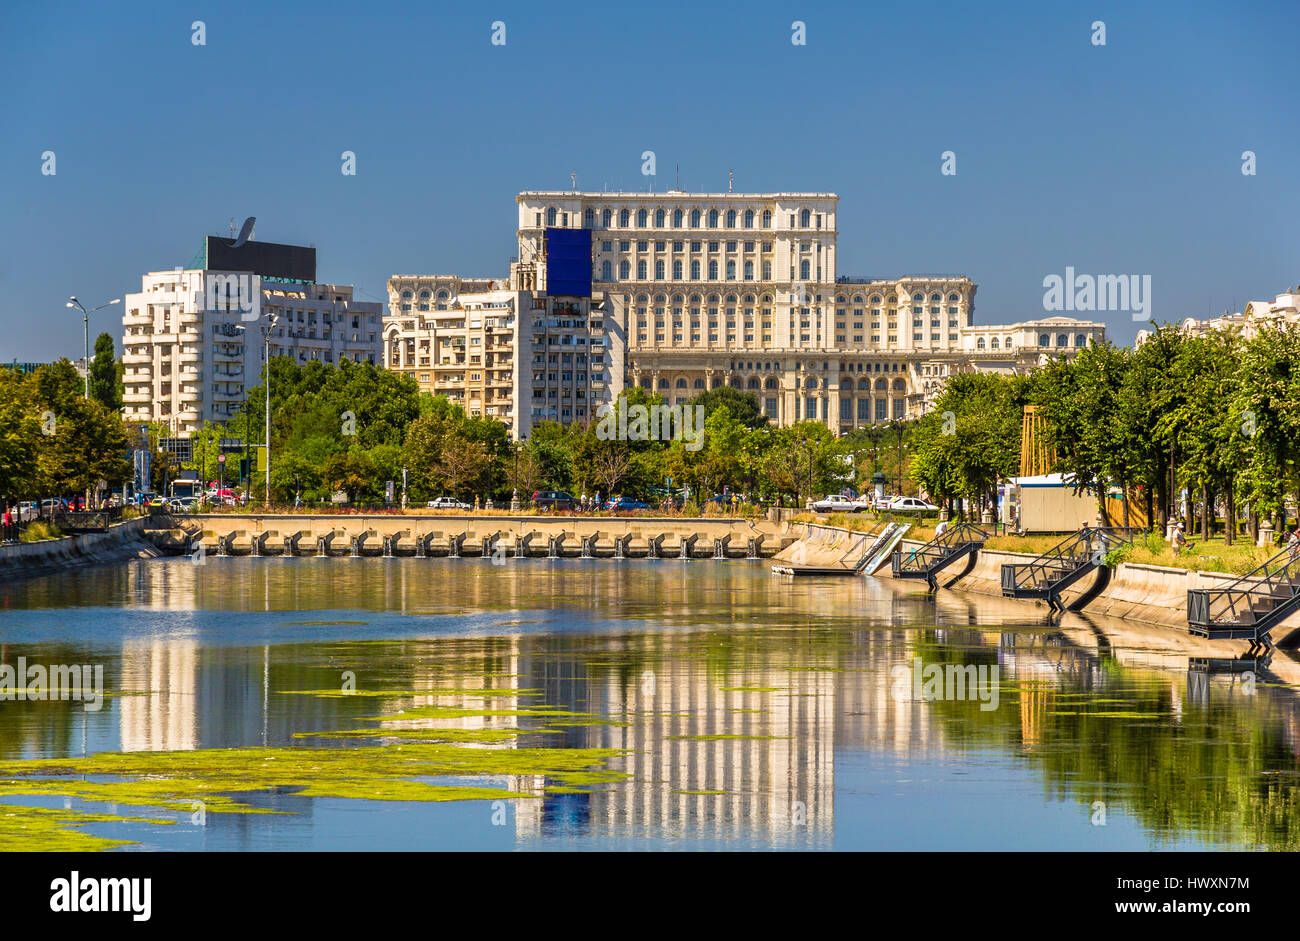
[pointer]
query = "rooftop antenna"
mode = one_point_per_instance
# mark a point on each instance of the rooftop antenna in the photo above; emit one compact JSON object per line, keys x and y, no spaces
{"x":677,"y":182}
{"x":731,"y":180}
{"x":573,"y":177}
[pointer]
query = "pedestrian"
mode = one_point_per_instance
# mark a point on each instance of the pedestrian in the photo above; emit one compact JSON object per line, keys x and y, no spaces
{"x":1293,"y":543}
{"x":9,"y":525}
{"x":1180,"y":539}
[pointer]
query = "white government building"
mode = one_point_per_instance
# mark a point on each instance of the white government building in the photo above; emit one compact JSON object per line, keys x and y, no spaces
{"x":691,"y":291}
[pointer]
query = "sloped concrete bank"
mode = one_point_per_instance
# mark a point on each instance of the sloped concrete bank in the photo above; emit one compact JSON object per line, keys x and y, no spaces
{"x":122,"y":541}
{"x":1154,"y":594}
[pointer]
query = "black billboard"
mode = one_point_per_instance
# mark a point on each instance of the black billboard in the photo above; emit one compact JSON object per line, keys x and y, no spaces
{"x":268,"y":259}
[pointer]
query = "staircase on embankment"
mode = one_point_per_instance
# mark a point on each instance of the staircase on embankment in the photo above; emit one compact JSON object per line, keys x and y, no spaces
{"x":955,"y":542}
{"x":1250,"y":607}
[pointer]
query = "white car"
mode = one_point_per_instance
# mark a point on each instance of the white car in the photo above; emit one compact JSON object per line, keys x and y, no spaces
{"x":911,"y":505}
{"x":447,"y":503}
{"x":837,"y":503}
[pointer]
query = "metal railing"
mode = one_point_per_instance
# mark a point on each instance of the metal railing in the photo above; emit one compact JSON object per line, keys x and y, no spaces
{"x":954,"y":541}
{"x":1078,"y":553}
{"x":1254,"y":600}
{"x":87,"y":521}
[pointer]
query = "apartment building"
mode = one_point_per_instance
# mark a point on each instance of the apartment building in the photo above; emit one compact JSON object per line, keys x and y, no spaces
{"x":194,"y":338}
{"x":1282,"y":311}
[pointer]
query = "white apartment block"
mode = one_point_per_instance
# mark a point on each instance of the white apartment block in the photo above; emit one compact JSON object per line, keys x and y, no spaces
{"x":501,"y":352}
{"x":193,"y":339}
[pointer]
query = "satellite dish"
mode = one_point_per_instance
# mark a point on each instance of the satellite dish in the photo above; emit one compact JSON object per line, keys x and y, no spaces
{"x":246,"y":232}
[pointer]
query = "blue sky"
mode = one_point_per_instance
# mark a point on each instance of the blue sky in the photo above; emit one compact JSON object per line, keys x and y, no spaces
{"x":1120,"y":159}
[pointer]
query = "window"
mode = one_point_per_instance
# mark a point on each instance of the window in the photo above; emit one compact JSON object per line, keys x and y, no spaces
{"x":624,"y":270}
{"x":550,"y":216}
{"x":659,"y":218}
{"x":1081,"y":340}
{"x":1044,"y":340}
{"x":589,"y":218}
{"x":677,"y":218}
{"x":713,"y":271}
{"x":767,"y":218}
{"x":695,"y":270}
{"x":731,"y":218}
{"x":605,"y":218}
{"x":677,"y":270}
{"x":606,"y":271}
{"x":805,"y":270}
{"x":695,"y":219}
{"x":623,"y":218}
{"x":805,"y":219}
{"x":641,"y":270}
{"x":749,"y":271}
{"x":659,"y":270}
{"x":1062,"y":340}
{"x":713,"y":218}
{"x":640,"y":218}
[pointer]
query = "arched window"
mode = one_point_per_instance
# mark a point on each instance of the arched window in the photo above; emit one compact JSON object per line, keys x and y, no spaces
{"x":1062,"y":339}
{"x":1081,"y":340}
{"x":805,"y":219}
{"x":677,"y":270}
{"x":918,"y":298}
{"x":811,"y":382}
{"x":443,"y":295}
{"x":713,"y":218}
{"x":681,"y":383}
{"x":953,"y":298}
{"x":875,"y":299}
{"x":663,"y":384}
{"x":406,"y":295}
{"x":641,"y":218}
{"x":805,"y":269}
{"x":993,"y":343}
{"x":749,"y":271}
{"x":767,"y":218}
{"x":770,"y":383}
{"x":641,"y":270}
{"x":749,"y":218}
{"x":935,"y":298}
{"x":550,"y":216}
{"x":882,"y":385}
{"x":623,"y":218}
{"x":589,"y":218}
{"x":606,"y":271}
{"x":695,"y":218}
{"x":713,"y":271}
{"x":677,"y":218}
{"x":699,"y":383}
{"x":753,"y":382}
{"x":864,"y":385}
{"x":979,"y":344}
{"x":846,"y":384}
{"x":624,"y":270}
{"x":659,"y":270}
{"x":731,"y":271}
{"x":424,"y":295}
{"x":659,"y":218}
{"x":1008,"y":343}
{"x":900,"y":385}
{"x":695,"y":271}
{"x":731,"y":218}
{"x":605,"y":218}
{"x":1044,"y":340}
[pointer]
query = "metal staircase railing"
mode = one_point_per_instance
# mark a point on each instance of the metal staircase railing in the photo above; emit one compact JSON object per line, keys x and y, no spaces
{"x":1249,"y":607}
{"x":1063,"y":564}
{"x":941,"y":551}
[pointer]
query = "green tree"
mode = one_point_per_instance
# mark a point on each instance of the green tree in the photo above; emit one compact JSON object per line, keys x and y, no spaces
{"x":105,"y":377}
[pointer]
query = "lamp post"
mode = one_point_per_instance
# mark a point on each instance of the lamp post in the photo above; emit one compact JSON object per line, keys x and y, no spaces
{"x":85,"y":318}
{"x":272,"y":320}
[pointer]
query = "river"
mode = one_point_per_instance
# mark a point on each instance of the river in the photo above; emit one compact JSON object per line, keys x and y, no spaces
{"x":404,"y":704}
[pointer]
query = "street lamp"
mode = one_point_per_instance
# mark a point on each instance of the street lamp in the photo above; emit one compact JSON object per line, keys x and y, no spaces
{"x":85,"y":317}
{"x":272,"y":320}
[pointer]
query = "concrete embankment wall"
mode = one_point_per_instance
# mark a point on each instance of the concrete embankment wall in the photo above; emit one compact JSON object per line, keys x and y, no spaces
{"x":442,"y":535}
{"x":1155,"y":594}
{"x":121,"y":541}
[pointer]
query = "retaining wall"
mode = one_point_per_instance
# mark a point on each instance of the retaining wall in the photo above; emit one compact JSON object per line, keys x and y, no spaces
{"x":121,"y":541}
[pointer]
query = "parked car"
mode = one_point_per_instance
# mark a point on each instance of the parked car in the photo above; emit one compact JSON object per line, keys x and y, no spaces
{"x":625,"y":503}
{"x":864,"y":502}
{"x":28,"y":510}
{"x":836,"y":503}
{"x":911,"y":505}
{"x":447,"y":503}
{"x":553,"y":500}
{"x":159,"y":503}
